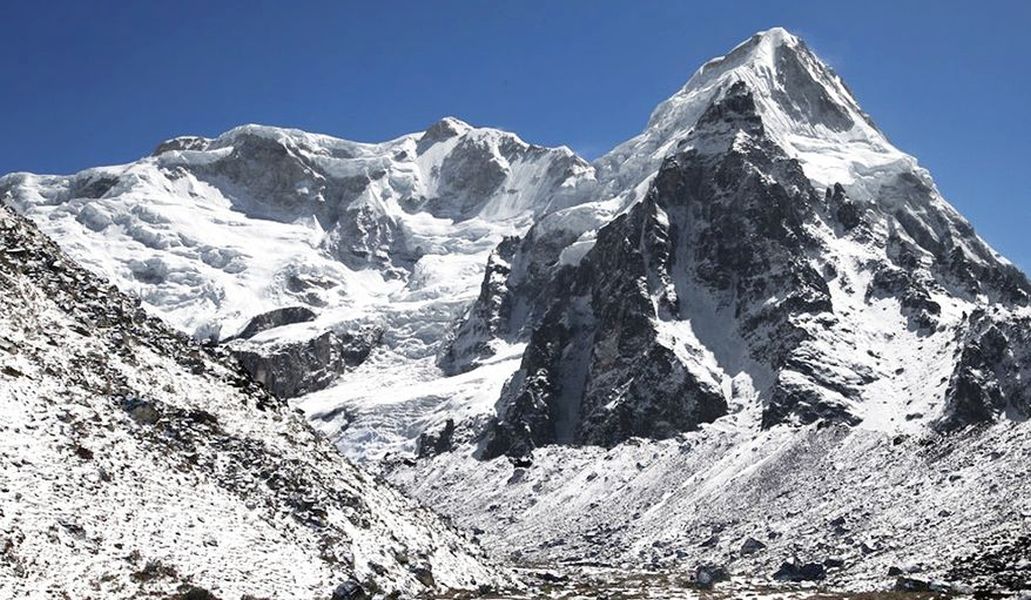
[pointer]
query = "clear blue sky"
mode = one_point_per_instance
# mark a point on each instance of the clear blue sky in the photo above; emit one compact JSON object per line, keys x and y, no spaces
{"x":94,"y":82}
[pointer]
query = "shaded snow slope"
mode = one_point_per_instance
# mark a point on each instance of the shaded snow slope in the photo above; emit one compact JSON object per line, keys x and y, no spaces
{"x":136,"y":463}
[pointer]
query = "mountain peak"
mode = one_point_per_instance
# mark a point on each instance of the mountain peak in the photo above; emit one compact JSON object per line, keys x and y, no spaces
{"x":777,"y":66}
{"x":769,"y":39}
{"x":778,"y":35}
{"x":804,"y":105}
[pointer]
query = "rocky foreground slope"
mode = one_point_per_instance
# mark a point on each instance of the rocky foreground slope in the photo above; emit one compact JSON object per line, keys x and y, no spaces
{"x":134,"y":463}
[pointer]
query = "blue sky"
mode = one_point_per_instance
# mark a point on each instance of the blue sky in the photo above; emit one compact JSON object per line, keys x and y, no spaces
{"x":95,"y":82}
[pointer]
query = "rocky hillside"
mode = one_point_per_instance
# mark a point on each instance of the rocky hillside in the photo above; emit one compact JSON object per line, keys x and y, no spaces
{"x":135,"y":463}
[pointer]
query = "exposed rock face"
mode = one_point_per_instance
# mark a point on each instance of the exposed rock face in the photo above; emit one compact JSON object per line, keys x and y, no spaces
{"x":91,"y":388}
{"x":181,"y":143}
{"x":292,"y":368}
{"x":522,"y":278}
{"x":287,"y":315}
{"x":608,"y":361}
{"x":487,"y":319}
{"x":432,"y":444}
{"x":988,"y":381}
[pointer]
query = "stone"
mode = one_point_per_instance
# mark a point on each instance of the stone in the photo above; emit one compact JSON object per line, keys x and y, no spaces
{"x":143,"y":412}
{"x":751,"y":546}
{"x":796,"y":571}
{"x":349,"y":590}
{"x":708,"y":575}
{"x":423,"y":574}
{"x":294,"y":368}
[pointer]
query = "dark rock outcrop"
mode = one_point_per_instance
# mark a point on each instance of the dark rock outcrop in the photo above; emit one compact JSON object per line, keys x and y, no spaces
{"x":988,"y":379}
{"x":350,"y":590}
{"x":276,"y":318}
{"x":289,"y":369}
{"x":486,"y":319}
{"x":431,"y":444}
{"x":798,"y":571}
{"x":602,"y":365}
{"x":751,"y":546}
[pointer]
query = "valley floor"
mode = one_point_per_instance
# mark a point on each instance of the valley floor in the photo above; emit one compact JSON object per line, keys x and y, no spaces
{"x":869,"y":506}
{"x":587,"y":583}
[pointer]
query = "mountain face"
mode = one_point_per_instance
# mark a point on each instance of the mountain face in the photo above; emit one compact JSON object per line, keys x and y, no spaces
{"x":136,"y":463}
{"x":737,"y":279}
{"x":368,"y":235}
{"x":756,"y":320}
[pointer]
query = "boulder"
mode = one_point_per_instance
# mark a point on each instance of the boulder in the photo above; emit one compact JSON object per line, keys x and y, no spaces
{"x":424,"y":574}
{"x":708,"y":575}
{"x":350,"y":590}
{"x":797,"y":571}
{"x":287,"y":315}
{"x":751,"y":546}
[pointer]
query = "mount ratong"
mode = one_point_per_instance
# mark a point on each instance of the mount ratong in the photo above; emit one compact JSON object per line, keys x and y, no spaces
{"x":752,"y":338}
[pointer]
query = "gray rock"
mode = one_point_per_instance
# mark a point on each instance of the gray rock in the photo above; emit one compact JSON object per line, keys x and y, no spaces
{"x":294,"y":368}
{"x":751,"y":546}
{"x":431,"y":444}
{"x":706,"y":576}
{"x":988,"y":378}
{"x":797,"y":571}
{"x":287,"y":315}
{"x":349,"y":590}
{"x":424,"y":574}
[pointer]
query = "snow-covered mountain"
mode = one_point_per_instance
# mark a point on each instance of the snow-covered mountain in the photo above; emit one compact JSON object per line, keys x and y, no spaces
{"x":836,"y":362}
{"x":756,"y":320}
{"x":135,"y":464}
{"x":342,"y":247}
{"x":785,"y":258}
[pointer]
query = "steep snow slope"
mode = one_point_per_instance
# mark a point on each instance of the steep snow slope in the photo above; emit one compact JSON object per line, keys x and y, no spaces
{"x":134,"y":463}
{"x":340,"y":249}
{"x":358,"y":228}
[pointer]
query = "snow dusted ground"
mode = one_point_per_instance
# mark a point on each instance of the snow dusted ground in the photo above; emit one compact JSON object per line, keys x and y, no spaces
{"x":135,"y":464}
{"x":871,"y":500}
